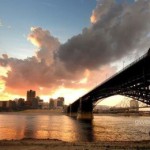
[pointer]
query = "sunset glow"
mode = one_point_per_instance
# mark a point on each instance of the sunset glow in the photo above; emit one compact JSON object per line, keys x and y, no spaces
{"x":43,"y":51}
{"x":69,"y":94}
{"x":74,"y":74}
{"x":93,"y":19}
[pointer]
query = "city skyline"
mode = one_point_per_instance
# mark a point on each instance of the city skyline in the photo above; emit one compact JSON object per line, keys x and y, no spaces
{"x":66,"y":48}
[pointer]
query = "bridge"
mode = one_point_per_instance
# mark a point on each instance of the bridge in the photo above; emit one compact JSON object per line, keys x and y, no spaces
{"x":133,"y":81}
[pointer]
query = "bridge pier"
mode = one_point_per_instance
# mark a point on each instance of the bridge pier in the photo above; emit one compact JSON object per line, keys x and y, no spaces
{"x":85,"y":110}
{"x":71,"y":111}
{"x":85,"y":115}
{"x":73,"y":114}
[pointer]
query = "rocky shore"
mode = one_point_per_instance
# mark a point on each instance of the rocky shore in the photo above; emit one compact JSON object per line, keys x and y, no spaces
{"x":33,"y":144}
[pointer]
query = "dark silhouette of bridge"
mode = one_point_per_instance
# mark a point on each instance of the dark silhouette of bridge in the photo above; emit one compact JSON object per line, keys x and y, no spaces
{"x":133,"y":81}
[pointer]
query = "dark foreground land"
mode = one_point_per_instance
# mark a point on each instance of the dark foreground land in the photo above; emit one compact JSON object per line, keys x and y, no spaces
{"x":32,"y":144}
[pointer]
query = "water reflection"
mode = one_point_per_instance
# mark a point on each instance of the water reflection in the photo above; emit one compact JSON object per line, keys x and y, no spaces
{"x":30,"y":126}
{"x":10,"y":127}
{"x":102,"y":128}
{"x":85,"y":128}
{"x":64,"y":127}
{"x":119,"y":128}
{"x":45,"y":127}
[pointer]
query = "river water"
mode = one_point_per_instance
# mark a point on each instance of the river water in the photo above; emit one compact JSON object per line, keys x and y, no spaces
{"x":62,"y":127}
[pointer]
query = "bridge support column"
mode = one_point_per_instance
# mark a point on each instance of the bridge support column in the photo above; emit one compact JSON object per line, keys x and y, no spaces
{"x":71,"y":112}
{"x":85,"y":116}
{"x":85,"y":111}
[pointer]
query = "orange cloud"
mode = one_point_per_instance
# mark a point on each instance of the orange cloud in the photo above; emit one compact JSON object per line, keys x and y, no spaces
{"x":46,"y":43}
{"x":93,"y":18}
{"x":101,"y":9}
{"x":85,"y":59}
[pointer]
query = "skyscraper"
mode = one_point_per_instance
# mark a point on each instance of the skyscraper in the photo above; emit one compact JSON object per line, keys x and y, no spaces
{"x":31,"y":95}
{"x":60,"y":101}
{"x":56,"y":103}
{"x":51,"y":103}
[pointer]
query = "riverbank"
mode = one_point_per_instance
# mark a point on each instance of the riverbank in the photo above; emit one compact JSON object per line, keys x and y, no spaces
{"x":60,"y":112}
{"x":123,"y":114}
{"x":35,"y":112}
{"x":32,"y":144}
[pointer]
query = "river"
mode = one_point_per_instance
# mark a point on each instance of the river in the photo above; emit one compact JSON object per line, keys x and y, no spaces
{"x":62,"y":127}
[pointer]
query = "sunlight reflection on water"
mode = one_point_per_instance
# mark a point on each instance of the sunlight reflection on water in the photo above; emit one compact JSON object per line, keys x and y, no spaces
{"x":102,"y":128}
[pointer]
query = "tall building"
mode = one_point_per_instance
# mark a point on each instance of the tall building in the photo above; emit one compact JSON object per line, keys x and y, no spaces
{"x":51,"y":103}
{"x":35,"y":103}
{"x":60,"y":101}
{"x":56,"y":103}
{"x":21,"y":103}
{"x":40,"y":103}
{"x":31,"y":95}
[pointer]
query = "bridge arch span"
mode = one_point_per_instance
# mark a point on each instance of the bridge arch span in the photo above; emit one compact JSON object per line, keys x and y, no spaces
{"x":133,"y":81}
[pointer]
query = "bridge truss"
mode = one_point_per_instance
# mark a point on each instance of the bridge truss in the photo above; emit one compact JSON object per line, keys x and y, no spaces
{"x":133,"y":81}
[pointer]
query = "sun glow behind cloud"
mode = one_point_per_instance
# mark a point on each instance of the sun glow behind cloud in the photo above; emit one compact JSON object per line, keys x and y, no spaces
{"x":93,"y":19}
{"x":4,"y":95}
{"x":3,"y":72}
{"x":76,"y":66}
{"x":70,"y":95}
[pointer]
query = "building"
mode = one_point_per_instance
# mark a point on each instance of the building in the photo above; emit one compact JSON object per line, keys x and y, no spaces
{"x":35,"y":103}
{"x":45,"y":105}
{"x":31,"y":95}
{"x":56,"y":103}
{"x":134,"y":105}
{"x":21,"y":103}
{"x":32,"y":100}
{"x":8,"y":105}
{"x":40,"y":103}
{"x":51,"y":103}
{"x":60,"y":101}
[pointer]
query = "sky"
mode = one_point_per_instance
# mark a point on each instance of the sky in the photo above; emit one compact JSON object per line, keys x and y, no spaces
{"x":66,"y":47}
{"x":63,"y":18}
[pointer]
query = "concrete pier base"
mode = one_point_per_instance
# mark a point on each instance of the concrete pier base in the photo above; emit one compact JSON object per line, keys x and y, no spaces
{"x":73,"y":114}
{"x":85,"y":116}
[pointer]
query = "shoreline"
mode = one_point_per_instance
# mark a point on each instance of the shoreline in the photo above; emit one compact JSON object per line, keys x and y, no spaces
{"x":34,"y":112}
{"x":122,"y":114}
{"x":60,"y":112}
{"x":55,"y":144}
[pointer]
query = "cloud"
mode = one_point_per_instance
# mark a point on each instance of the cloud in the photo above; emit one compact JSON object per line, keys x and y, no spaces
{"x":41,"y":70}
{"x":5,"y":56}
{"x":1,"y":24}
{"x":84,"y":60}
{"x":9,"y":27}
{"x":118,"y":29}
{"x":46,"y":43}
{"x":101,"y":9}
